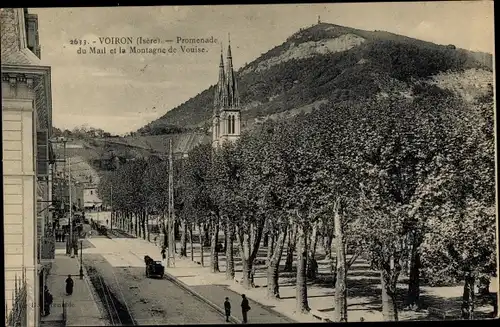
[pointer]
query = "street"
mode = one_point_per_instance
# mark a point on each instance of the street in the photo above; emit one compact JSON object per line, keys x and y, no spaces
{"x":118,"y":275}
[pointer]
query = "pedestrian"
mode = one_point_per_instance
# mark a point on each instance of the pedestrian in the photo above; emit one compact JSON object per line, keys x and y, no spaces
{"x":107,"y":222}
{"x":69,"y":285}
{"x":227,"y":308}
{"x":155,"y":240}
{"x":163,"y":253}
{"x":245,"y":307}
{"x":48,"y":301}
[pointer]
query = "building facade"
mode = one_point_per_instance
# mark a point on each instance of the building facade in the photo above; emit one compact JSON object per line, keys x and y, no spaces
{"x":91,"y":198}
{"x":27,"y":159}
{"x":227,"y":114}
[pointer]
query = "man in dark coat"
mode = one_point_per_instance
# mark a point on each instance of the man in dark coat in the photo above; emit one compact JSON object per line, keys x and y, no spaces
{"x":69,"y":285}
{"x":227,"y":308}
{"x":48,"y":301}
{"x":163,"y":253}
{"x":245,"y":307}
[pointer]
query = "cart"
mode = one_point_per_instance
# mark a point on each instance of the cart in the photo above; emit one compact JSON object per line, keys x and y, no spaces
{"x":153,"y":268}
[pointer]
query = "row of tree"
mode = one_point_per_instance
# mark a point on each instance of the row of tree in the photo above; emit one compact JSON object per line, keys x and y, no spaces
{"x":408,"y":185}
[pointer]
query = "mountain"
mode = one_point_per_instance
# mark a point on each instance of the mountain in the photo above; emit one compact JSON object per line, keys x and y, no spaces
{"x":328,"y":63}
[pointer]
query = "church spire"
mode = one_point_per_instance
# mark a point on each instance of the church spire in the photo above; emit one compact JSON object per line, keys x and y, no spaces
{"x":233,"y":97}
{"x":220,"y":98}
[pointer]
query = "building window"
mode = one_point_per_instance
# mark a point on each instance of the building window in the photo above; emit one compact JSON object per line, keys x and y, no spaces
{"x":90,"y":192}
{"x":233,"y":126}
{"x":229,"y":124}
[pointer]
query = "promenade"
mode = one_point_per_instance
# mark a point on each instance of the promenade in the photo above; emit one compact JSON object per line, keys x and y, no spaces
{"x":81,"y":307}
{"x":363,"y":289}
{"x":212,"y":292}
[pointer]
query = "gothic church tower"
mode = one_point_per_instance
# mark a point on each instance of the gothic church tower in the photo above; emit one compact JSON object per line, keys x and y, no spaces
{"x":226,"y":115}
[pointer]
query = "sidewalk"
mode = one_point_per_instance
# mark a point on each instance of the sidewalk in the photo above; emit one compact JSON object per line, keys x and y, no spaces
{"x":81,"y":306}
{"x":213,"y":288}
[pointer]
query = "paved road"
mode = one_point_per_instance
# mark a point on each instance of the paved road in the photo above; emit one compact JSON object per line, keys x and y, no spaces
{"x":149,"y":301}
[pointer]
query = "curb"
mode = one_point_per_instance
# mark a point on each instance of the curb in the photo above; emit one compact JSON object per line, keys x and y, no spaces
{"x":184,"y":286}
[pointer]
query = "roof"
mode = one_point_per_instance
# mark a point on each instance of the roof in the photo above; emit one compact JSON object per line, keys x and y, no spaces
{"x":14,"y":47}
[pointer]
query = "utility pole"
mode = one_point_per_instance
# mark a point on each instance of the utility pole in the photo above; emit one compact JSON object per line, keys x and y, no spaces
{"x":111,"y":206}
{"x":70,"y":211}
{"x":64,"y":154}
{"x":171,"y":219}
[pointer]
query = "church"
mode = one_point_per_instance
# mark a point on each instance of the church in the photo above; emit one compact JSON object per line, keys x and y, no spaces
{"x":226,"y":115}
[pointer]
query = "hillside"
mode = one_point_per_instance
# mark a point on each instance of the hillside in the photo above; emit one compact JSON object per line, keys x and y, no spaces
{"x":329,"y":63}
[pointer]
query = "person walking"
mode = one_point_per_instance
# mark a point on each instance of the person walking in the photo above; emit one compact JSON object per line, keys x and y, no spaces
{"x":48,"y":301}
{"x":69,"y":285}
{"x":245,"y":307}
{"x":227,"y":309}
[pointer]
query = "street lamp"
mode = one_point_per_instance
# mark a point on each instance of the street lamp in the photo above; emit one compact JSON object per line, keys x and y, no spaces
{"x":81,"y":259}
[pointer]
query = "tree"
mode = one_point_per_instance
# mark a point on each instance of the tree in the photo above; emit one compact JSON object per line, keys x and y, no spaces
{"x":461,"y":238}
{"x":155,"y":186}
{"x":270,"y":184}
{"x":197,"y":196}
{"x":399,"y":141}
{"x":226,"y":175}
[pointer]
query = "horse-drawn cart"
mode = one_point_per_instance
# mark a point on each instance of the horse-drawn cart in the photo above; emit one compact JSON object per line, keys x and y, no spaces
{"x":153,"y":268}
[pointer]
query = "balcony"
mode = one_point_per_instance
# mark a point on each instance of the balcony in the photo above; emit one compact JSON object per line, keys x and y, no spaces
{"x":47,"y":247}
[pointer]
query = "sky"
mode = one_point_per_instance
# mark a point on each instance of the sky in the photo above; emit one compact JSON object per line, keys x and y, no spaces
{"x":122,"y":92}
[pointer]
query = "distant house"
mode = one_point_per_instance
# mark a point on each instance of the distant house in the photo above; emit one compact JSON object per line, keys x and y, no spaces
{"x":91,"y":198}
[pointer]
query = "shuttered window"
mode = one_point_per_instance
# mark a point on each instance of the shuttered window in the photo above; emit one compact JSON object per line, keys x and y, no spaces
{"x":42,"y":153}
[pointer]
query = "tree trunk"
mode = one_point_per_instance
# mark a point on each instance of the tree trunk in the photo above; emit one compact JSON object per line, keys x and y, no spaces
{"x":177,"y":230}
{"x":248,"y":253}
{"x":164,"y":230}
{"x":468,"y":297}
{"x":144,"y":223}
{"x":266,"y":239}
{"x":290,"y":249}
{"x":206,"y":239}
{"x":413,"y":296}
{"x":148,"y":232}
{"x":327,"y":245}
{"x":229,"y":250}
{"x":224,"y":229}
{"x":270,"y":247}
{"x":136,"y":221}
{"x":183,"y":238}
{"x":340,"y":314}
{"x":246,"y":281}
{"x":252,"y":233}
{"x":191,"y":227}
{"x":274,"y":264}
{"x":311,"y":258}
{"x":389,"y":306}
{"x":214,"y":255}
{"x":301,"y":288}
{"x":200,"y":235}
